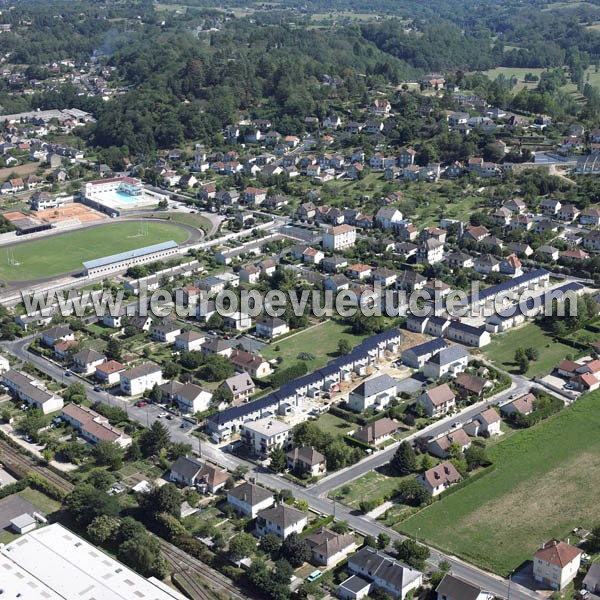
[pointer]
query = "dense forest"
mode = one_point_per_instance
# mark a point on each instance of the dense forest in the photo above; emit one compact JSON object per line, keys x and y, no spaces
{"x":189,"y":73}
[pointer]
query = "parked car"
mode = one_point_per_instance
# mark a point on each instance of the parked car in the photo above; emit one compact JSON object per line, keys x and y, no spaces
{"x":162,"y":415}
{"x":314,"y":576}
{"x":141,"y":403}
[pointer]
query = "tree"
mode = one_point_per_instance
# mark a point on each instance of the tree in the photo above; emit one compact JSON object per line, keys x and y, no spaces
{"x":103,"y":529}
{"x":156,"y":394}
{"x":241,"y":545}
{"x":100,"y":479}
{"x":302,"y":505}
{"x":163,"y":499}
{"x":143,"y":554}
{"x":178,"y":449}
{"x":340,"y":527}
{"x":532,"y":353}
{"x":370,"y":541}
{"x":85,"y":503}
{"x":269,"y":543}
{"x":154,"y":439}
{"x":411,"y":492}
{"x":344,"y":347}
{"x":216,"y":368}
{"x":295,"y":549}
{"x":278,"y":461}
{"x":475,"y":456}
{"x":593,"y":542}
{"x":521,"y":360}
{"x":108,"y":454}
{"x":382,"y":541}
{"x":283,"y":572}
{"x":215,"y":321}
{"x":412,"y":553}
{"x":163,"y":204}
{"x":75,"y":393}
{"x":171,"y":370}
{"x":427,"y":462}
{"x":113,"y":349}
{"x":404,"y":461}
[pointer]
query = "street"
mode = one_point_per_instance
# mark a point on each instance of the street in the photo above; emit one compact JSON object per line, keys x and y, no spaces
{"x":315,"y":495}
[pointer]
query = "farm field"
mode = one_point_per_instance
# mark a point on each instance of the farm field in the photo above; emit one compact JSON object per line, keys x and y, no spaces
{"x":64,"y":253}
{"x":321,"y":341}
{"x":502,"y":350}
{"x":540,"y":489}
{"x":517,"y":72}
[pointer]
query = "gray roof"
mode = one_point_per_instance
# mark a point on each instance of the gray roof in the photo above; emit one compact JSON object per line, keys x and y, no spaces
{"x":282,"y":515}
{"x":239,"y":383}
{"x":591,"y":581}
{"x":307,"y":455}
{"x":87,"y":355}
{"x":249,"y":493}
{"x":114,"y":258}
{"x":384,"y":567}
{"x":448,"y":355}
{"x":355,"y":584}
{"x":453,"y":588}
{"x":186,"y":467}
{"x":141,"y":370}
{"x":375,"y":385}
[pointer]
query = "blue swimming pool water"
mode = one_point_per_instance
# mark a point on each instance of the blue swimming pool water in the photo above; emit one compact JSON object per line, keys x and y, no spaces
{"x":123,"y":197}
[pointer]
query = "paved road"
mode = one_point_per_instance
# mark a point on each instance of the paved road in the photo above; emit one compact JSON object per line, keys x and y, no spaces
{"x":315,"y":495}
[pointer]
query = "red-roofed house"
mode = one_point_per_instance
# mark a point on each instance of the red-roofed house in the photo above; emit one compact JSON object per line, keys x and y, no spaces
{"x":556,"y":564}
{"x":439,"y":478}
{"x":586,"y":382}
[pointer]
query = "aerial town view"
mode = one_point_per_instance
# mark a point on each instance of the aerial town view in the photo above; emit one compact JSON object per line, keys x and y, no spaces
{"x":300,"y":299}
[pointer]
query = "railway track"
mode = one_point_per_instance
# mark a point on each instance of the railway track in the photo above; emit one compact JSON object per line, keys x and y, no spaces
{"x":21,"y":464}
{"x":187,"y":567}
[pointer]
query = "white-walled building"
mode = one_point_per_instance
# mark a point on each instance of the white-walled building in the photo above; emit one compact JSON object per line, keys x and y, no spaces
{"x":339,"y":237}
{"x":137,"y":380}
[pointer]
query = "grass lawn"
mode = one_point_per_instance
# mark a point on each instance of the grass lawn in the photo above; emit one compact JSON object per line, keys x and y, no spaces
{"x":368,"y":487}
{"x":541,"y":488}
{"x":320,"y":341}
{"x":194,"y":220}
{"x":329,"y":423}
{"x":502,"y":350}
{"x":43,"y":502}
{"x":63,"y":253}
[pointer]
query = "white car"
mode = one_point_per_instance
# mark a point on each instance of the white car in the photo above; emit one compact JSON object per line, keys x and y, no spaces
{"x":162,"y":415}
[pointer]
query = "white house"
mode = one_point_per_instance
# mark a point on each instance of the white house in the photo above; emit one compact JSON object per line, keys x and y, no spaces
{"x":388,"y":217}
{"x":271,"y":327}
{"x":249,"y":499}
{"x":165,"y":332}
{"x":454,"y":588}
{"x":109,"y":372}
{"x":137,"y":380}
{"x":31,"y":391}
{"x":439,"y":478}
{"x":448,"y":361}
{"x":339,"y":237}
{"x":556,"y":563}
{"x":377,"y":392}
{"x":438,"y":400}
{"x":264,"y":435}
{"x":86,"y":360}
{"x":485,"y":423}
{"x":394,"y":577}
{"x":189,"y":341}
{"x":281,"y":520}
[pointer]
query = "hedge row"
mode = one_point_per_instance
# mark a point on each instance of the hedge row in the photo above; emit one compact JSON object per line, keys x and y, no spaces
{"x":13,"y":488}
{"x":42,"y":484}
{"x":317,"y":525}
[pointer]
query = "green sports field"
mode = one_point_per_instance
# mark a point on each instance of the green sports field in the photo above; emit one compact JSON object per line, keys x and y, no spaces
{"x":64,"y":253}
{"x":544,"y":485}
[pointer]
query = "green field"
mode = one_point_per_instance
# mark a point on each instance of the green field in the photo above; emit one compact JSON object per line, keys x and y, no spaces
{"x":502,"y":350}
{"x":517,"y":72}
{"x":368,"y":487}
{"x":542,"y":488}
{"x":320,"y":341}
{"x":329,"y":423}
{"x":57,"y":254}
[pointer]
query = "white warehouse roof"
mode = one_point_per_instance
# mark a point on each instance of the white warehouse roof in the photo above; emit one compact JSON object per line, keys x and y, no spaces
{"x":52,"y":563}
